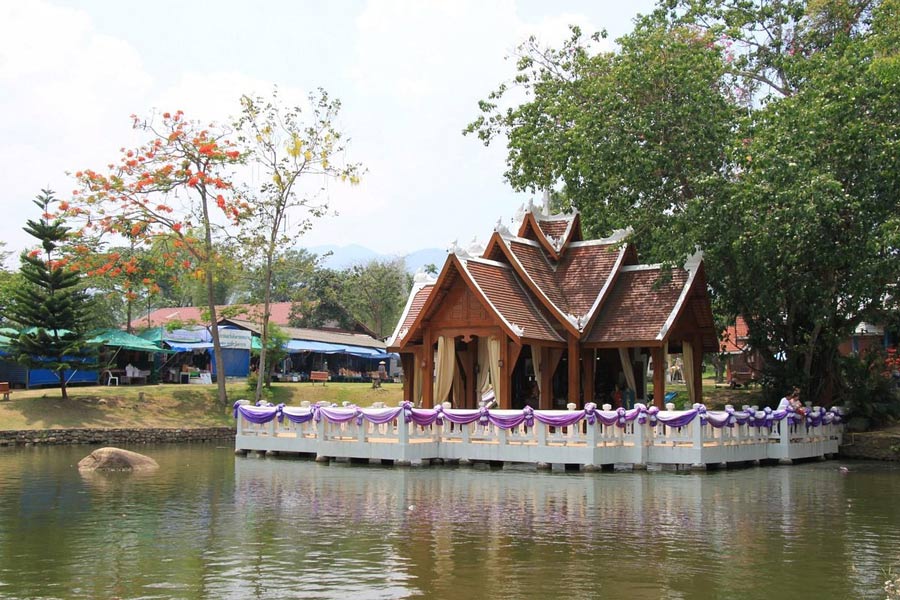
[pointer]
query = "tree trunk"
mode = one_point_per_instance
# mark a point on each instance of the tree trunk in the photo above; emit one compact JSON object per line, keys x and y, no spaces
{"x":267,"y":299}
{"x":128,"y":328}
{"x":211,"y":302}
{"x":62,"y":384}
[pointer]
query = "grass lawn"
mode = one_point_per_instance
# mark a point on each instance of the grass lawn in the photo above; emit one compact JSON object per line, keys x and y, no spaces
{"x":169,"y":405}
{"x":716,"y":397}
{"x":173,"y":405}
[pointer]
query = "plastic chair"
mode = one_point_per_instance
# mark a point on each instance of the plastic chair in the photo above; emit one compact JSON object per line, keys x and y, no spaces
{"x":111,"y":378}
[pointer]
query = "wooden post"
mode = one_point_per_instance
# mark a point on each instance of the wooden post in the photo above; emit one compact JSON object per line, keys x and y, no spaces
{"x":697,"y":349}
{"x":408,"y":363}
{"x":546,"y":401}
{"x":659,"y":376}
{"x":505,"y":397}
{"x":574,"y":370}
{"x":428,"y":374}
{"x":588,"y":364}
{"x":469,"y":393}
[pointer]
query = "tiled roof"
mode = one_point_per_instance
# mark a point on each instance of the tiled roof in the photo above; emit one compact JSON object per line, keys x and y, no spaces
{"x":534,"y":262}
{"x":412,"y":310}
{"x":503,"y":290}
{"x":280,"y":314}
{"x":582,"y":273}
{"x":637,"y":309}
{"x":556,"y":228}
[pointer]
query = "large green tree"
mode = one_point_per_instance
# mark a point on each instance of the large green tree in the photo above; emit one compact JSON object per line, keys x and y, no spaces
{"x":375,"y":293}
{"x":628,"y":137}
{"x":51,"y":307}
{"x":765,"y":132}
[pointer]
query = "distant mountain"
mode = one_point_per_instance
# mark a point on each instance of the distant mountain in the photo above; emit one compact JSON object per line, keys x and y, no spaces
{"x":343,"y":257}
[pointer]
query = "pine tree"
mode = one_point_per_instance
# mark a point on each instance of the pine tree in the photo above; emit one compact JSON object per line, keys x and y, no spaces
{"x":51,"y":307}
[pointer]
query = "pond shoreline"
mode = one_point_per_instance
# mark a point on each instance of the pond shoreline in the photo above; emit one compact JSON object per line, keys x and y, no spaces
{"x":871,"y":445}
{"x":131,"y":435}
{"x":882,"y":446}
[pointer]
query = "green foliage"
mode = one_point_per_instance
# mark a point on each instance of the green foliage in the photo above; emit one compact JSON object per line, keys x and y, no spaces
{"x":632,"y":136}
{"x":376,"y":292}
{"x":51,"y":307}
{"x":868,"y":391}
{"x":275,"y":351}
{"x":320,"y":304}
{"x":292,"y":270}
{"x":763,"y":132}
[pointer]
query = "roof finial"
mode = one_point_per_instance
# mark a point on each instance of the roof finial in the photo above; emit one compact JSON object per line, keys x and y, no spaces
{"x":546,"y":199}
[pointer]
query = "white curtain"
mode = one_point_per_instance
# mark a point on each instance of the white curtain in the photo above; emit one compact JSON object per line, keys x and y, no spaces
{"x":458,"y":387}
{"x":446,"y":368}
{"x":494,"y":365}
{"x":484,"y":373}
{"x":417,"y":381}
{"x":536,"y":362}
{"x":687,"y":355}
{"x":627,"y":368}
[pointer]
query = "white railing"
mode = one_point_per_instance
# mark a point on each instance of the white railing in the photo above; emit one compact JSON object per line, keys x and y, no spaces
{"x":587,"y":436}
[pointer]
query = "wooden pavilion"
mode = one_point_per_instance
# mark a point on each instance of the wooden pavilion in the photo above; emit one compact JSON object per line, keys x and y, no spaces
{"x":546,"y":318}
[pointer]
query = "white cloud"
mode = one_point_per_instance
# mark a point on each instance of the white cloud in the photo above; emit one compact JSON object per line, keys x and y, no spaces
{"x":65,"y":95}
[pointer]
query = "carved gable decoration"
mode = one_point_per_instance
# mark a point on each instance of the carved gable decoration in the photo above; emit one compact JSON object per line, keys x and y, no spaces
{"x":462,"y":307}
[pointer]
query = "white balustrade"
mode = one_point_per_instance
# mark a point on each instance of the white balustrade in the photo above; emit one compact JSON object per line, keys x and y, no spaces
{"x":580,"y":443}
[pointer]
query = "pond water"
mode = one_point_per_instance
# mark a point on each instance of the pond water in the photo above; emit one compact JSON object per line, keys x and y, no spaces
{"x":212,"y":525}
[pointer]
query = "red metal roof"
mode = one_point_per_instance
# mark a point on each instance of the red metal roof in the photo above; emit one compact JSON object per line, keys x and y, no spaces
{"x":280,"y":314}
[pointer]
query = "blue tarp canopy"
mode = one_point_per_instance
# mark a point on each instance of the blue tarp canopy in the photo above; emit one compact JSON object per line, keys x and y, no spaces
{"x":326,"y":348}
{"x":188,"y":346}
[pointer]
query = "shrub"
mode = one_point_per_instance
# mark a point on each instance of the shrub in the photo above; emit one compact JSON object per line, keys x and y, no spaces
{"x":867,"y":388}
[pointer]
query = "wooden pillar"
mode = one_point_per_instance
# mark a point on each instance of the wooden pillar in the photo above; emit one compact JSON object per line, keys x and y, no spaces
{"x":505,"y":397}
{"x":659,"y":376}
{"x":574,"y":370}
{"x":588,"y":366}
{"x":469,"y":362}
{"x":697,"y":348}
{"x":428,"y":371}
{"x":546,"y":401}
{"x":408,"y":363}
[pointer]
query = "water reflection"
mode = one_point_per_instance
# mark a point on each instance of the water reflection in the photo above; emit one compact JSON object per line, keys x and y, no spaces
{"x":207,"y":525}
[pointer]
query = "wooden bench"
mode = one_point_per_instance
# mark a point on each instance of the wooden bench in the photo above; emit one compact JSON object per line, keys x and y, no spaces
{"x":315,"y":376}
{"x":4,"y":389}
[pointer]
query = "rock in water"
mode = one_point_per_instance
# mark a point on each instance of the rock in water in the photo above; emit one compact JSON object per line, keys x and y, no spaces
{"x":116,"y":459}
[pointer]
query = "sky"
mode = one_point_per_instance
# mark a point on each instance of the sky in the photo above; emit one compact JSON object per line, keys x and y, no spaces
{"x":409,"y":75}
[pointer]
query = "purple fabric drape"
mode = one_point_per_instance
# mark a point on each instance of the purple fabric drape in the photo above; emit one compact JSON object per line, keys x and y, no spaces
{"x":509,"y":419}
{"x":296,"y":415}
{"x":255,"y":414}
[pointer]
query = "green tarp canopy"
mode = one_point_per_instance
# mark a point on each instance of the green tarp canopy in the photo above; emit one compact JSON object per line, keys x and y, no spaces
{"x":126,"y":341}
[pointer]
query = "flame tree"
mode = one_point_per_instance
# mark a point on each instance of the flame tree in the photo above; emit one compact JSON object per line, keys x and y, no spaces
{"x":176,"y":186}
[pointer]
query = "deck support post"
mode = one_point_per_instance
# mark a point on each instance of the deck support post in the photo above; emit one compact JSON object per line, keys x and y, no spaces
{"x":640,"y":445}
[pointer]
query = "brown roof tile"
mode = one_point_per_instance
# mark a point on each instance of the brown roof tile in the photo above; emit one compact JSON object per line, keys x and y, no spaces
{"x":417,"y":303}
{"x":556,"y":228}
{"x":635,"y":310}
{"x":504,"y":291}
{"x":582,"y":273}
{"x":534,"y":260}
